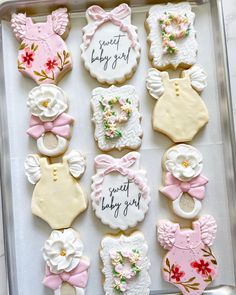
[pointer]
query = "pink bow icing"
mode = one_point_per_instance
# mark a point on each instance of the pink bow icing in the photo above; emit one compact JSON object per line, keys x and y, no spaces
{"x":60,"y":126}
{"x":115,"y":16}
{"x":122,"y":165}
{"x":78,"y":277}
{"x":175,"y":188}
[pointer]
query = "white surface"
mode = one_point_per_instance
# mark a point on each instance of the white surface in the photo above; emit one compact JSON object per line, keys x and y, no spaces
{"x":158,"y":208}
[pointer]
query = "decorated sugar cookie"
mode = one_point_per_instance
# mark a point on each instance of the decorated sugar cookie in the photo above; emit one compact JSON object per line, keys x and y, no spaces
{"x":66,"y":268}
{"x":189,"y":264}
{"x":179,"y":112}
{"x":116,"y":117}
{"x":57,"y":197}
{"x":49,"y":125}
{"x":43,"y":55}
{"x":120,"y":195}
{"x":125,"y":264}
{"x":183,"y":182}
{"x":171,"y":36}
{"x":110,"y":48}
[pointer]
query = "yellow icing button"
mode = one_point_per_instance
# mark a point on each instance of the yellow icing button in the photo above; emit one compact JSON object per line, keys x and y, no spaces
{"x":55,"y":179}
{"x":176,"y":83}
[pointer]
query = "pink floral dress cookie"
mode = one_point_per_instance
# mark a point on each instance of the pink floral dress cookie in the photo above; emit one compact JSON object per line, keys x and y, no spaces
{"x":190,"y":264}
{"x":43,"y":55}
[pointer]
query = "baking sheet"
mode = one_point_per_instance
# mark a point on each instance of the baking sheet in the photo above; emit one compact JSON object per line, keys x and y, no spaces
{"x":31,"y":232}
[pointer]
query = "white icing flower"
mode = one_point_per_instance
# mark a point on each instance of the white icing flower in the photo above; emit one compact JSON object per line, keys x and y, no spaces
{"x":184,"y":162}
{"x":47,"y":102}
{"x":62,"y":251}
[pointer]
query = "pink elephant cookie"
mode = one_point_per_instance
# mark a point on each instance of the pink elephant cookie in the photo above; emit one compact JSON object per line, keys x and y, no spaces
{"x":189,"y":264}
{"x":43,"y":55}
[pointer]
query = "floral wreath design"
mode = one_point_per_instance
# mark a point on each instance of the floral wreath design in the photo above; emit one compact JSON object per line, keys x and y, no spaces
{"x":170,"y":34}
{"x":111,"y":118}
{"x":125,"y":266}
{"x":27,"y":58}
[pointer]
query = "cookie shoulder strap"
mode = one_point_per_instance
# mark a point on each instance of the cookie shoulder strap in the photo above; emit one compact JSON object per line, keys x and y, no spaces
{"x":32,"y":168}
{"x":154,"y":83}
{"x":166,"y":232}
{"x":197,"y":77}
{"x":60,"y":21}
{"x":208,"y":229}
{"x":18,"y":24}
{"x":76,"y":163}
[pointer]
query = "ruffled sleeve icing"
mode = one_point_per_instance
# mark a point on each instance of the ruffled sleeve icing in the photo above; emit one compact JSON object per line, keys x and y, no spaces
{"x":166,"y":234}
{"x":208,"y":229}
{"x":32,"y":168}
{"x":60,"y":21}
{"x":154,"y":83}
{"x":198,"y":77}
{"x":18,"y":24}
{"x":76,"y":162}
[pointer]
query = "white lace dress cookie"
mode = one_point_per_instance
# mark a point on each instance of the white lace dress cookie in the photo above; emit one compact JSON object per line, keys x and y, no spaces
{"x":179,"y":112}
{"x":116,"y":117}
{"x":66,"y":268}
{"x":171,"y":36}
{"x":110,"y":48}
{"x":125,"y":264}
{"x":183,"y":183}
{"x":57,"y":197}
{"x":120,"y":195}
{"x":50,"y":126}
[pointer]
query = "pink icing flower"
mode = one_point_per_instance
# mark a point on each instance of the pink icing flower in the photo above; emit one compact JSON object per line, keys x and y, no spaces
{"x":120,"y":285}
{"x":111,"y":119}
{"x":51,"y":64}
{"x":28,"y":57}
{"x":176,"y":274}
{"x":169,"y":30}
{"x":172,"y":44}
{"x":124,"y":271}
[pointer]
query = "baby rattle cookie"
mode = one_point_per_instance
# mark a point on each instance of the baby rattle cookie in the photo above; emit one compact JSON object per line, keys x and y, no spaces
{"x":171,"y":36}
{"x":120,"y":195}
{"x":49,"y":125}
{"x":183,"y":183}
{"x":66,"y":270}
{"x":43,"y":55}
{"x":57,"y":196}
{"x":116,"y":117}
{"x":110,"y":48}
{"x":125,"y":264}
{"x":179,"y":112}
{"x":189,"y":264}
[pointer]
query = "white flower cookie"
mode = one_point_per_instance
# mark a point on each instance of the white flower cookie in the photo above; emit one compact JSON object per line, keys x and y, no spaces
{"x":179,"y":112}
{"x":183,"y":183}
{"x":116,"y":117}
{"x":66,"y":269}
{"x":110,"y":47}
{"x":171,"y":35}
{"x":120,"y":195}
{"x":125,"y":264}
{"x":49,"y":125}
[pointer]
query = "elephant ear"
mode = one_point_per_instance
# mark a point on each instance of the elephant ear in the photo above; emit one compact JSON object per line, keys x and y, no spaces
{"x":32,"y":168}
{"x":198,"y":78}
{"x":60,"y":21}
{"x":18,"y":24}
{"x":208,"y":228}
{"x":76,"y":162}
{"x":166,"y":234}
{"x":154,"y":83}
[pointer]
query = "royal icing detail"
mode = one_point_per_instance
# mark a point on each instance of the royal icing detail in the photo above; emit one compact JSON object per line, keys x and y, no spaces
{"x":120,"y":195}
{"x":189,"y":264}
{"x":179,"y":112}
{"x":57,"y":196}
{"x":62,"y":253}
{"x":43,"y":55}
{"x":182,"y":175}
{"x":116,"y":117}
{"x":110,"y":48}
{"x":125,"y":264}
{"x":171,"y":35}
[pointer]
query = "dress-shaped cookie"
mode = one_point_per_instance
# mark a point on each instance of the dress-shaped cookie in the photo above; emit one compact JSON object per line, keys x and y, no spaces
{"x":171,"y":36}
{"x":189,"y":264}
{"x":57,"y":197}
{"x":110,"y":48}
{"x":43,"y":55}
{"x":179,"y":112}
{"x":66,"y":269}
{"x":116,"y":117}
{"x":125,"y":265}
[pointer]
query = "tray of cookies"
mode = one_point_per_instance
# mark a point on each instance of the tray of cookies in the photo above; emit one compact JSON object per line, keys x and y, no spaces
{"x":117,"y":148}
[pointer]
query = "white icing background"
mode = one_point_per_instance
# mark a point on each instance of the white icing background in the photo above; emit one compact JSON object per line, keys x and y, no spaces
{"x":31,"y":232}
